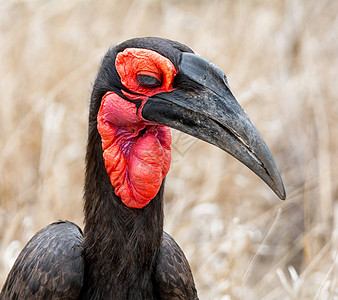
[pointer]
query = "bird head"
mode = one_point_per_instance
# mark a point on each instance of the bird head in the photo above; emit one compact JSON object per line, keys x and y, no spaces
{"x":146,"y":85}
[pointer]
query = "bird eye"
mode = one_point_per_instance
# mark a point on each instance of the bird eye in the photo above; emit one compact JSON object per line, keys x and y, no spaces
{"x":148,"y":81}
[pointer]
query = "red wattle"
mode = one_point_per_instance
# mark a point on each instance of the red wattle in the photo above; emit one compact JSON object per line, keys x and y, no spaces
{"x":136,"y":163}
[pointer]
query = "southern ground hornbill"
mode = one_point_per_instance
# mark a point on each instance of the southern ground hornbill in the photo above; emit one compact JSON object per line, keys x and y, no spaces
{"x":143,"y":86}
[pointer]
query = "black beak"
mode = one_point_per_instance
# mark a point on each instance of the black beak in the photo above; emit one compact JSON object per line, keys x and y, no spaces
{"x":211,"y":113}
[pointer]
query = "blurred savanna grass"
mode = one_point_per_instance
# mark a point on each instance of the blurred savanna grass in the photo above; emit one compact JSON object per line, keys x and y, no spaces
{"x":281,"y":59}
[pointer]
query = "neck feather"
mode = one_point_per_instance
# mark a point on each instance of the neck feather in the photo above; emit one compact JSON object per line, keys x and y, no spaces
{"x":121,"y":243}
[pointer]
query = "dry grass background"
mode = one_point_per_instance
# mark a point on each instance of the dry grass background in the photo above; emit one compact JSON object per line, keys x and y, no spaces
{"x":281,"y":58}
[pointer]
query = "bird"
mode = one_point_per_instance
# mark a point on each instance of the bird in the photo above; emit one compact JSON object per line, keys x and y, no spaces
{"x":144,"y":87}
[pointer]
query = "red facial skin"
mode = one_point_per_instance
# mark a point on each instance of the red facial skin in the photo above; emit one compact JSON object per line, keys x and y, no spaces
{"x":136,"y":161}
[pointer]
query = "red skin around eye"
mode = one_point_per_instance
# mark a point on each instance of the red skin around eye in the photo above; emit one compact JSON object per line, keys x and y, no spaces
{"x":136,"y":164}
{"x":134,"y":61}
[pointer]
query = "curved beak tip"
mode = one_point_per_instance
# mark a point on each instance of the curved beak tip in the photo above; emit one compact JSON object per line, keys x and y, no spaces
{"x":277,"y":186}
{"x":281,"y":192}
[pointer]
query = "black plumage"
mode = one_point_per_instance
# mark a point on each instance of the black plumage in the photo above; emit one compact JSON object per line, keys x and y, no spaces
{"x":50,"y":266}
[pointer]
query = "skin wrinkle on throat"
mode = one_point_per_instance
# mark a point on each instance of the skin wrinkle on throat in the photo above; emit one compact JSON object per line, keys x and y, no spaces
{"x":136,"y":164}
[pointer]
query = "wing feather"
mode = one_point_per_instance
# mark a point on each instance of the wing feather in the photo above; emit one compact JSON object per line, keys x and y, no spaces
{"x":51,"y":265}
{"x":173,"y":275}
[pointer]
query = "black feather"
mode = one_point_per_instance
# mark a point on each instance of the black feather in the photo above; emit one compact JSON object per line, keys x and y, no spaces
{"x":51,"y":263}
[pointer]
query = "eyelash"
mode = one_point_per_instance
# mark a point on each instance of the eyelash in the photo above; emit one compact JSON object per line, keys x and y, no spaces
{"x":148,"y":81}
